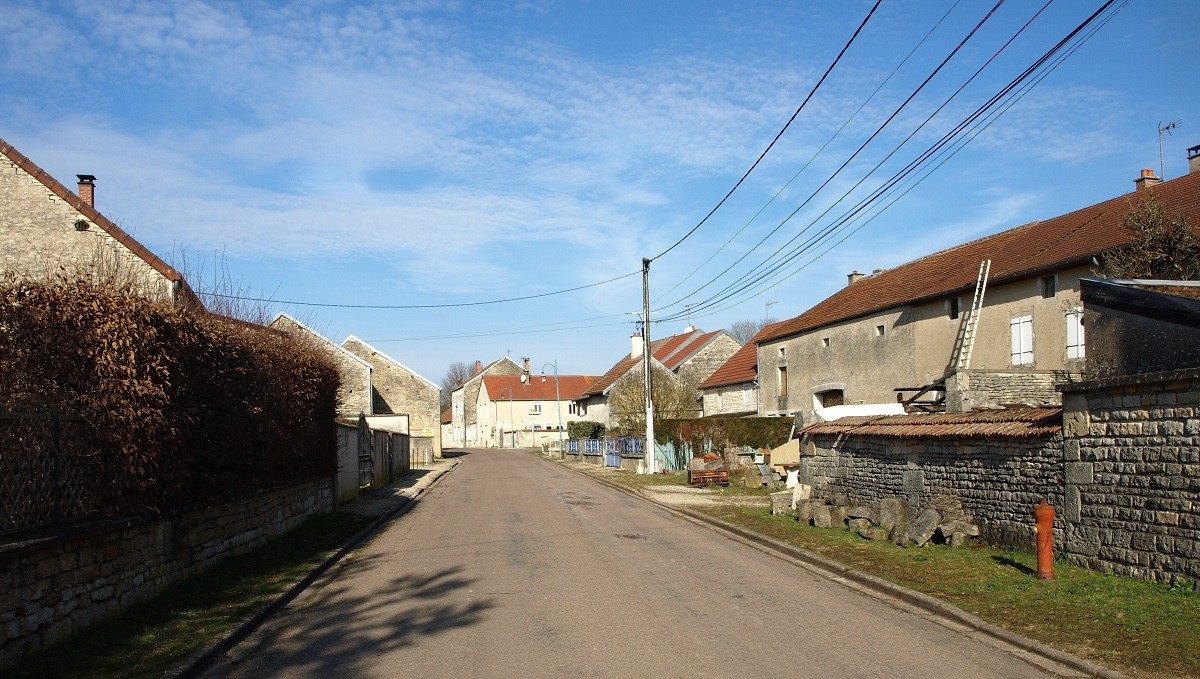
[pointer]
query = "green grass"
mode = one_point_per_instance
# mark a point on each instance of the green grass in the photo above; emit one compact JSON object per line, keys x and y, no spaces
{"x":153,"y":638}
{"x":1143,"y":628}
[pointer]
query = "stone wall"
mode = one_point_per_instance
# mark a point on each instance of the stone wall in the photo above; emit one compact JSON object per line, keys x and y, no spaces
{"x":706,"y":361}
{"x":975,"y":389}
{"x":1132,"y":474}
{"x":39,"y":239}
{"x":730,"y":399}
{"x":999,"y":481}
{"x":398,"y":390}
{"x":55,"y":586}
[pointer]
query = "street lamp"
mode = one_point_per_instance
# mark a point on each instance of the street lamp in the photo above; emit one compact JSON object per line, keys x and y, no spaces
{"x":557,"y":401}
{"x":511,"y":431}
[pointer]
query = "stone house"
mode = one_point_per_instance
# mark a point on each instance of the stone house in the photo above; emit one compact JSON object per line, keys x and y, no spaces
{"x":526,"y":411}
{"x":356,"y":394}
{"x":464,"y":424}
{"x":889,"y":335}
{"x":732,"y":391}
{"x":692,"y":355}
{"x":1137,"y":327}
{"x":399,"y":390}
{"x":47,"y":231}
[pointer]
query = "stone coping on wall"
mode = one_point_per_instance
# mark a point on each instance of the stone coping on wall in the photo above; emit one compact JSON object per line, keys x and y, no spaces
{"x":18,"y":545}
{"x":1130,"y":380}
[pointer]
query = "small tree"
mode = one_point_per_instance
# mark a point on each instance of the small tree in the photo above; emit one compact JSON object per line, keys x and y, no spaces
{"x":674,"y":398}
{"x":1162,"y":247}
{"x":456,"y":375}
{"x":742,"y":331}
{"x":584,"y":429}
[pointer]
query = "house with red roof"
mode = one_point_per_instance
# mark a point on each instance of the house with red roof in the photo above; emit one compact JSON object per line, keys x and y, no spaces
{"x":47,"y":231}
{"x":464,"y":417}
{"x":903,"y":333}
{"x":732,"y":391}
{"x":692,"y":355}
{"x":525,"y":411}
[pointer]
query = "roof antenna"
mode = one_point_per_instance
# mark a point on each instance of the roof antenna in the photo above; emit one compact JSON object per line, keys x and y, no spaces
{"x":1164,"y":128}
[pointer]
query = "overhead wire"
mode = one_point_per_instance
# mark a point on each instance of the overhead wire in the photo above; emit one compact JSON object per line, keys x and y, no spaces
{"x":786,"y":125}
{"x":856,"y":213}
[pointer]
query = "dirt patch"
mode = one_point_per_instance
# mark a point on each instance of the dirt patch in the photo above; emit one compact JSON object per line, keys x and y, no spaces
{"x":689,"y":496}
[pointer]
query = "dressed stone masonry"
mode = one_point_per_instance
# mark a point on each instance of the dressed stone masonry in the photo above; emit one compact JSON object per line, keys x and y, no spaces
{"x":1132,"y":474}
{"x":55,"y":586}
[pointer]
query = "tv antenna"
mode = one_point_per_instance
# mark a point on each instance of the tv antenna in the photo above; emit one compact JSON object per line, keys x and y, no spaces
{"x":1164,"y":128}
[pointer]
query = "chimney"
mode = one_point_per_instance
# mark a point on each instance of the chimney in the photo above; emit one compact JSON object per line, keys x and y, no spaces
{"x":525,"y":361}
{"x":635,"y":345}
{"x":87,"y":189}
{"x":478,"y":368}
{"x":1147,"y":180}
{"x":853,"y":277}
{"x":1193,"y":159}
{"x":689,"y":328}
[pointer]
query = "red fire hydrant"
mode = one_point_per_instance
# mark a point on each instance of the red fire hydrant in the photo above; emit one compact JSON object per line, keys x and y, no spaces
{"x":1043,"y":520}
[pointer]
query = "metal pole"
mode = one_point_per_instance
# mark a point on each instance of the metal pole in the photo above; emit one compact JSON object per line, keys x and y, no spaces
{"x":648,"y":465}
{"x":557,"y":401}
{"x":512,"y":427}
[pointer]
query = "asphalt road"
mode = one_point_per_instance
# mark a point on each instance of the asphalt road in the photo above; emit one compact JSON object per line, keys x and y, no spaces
{"x":515,"y":566}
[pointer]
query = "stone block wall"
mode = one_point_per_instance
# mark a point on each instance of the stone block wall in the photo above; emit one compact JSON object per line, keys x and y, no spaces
{"x":55,"y":586}
{"x":1132,"y":474}
{"x":974,"y":389}
{"x":729,"y":399}
{"x":998,"y":481}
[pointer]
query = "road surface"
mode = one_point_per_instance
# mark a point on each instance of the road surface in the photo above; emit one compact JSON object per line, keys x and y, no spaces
{"x":515,"y":566}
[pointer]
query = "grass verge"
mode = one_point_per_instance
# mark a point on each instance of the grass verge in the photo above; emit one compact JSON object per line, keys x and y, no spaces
{"x":1142,"y":628}
{"x":153,"y":638}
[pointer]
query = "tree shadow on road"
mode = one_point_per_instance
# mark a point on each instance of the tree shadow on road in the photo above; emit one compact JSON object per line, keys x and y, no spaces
{"x":362,"y":616}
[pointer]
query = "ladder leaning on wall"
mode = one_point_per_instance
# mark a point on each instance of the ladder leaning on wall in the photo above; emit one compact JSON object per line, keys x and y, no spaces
{"x":966,"y":343}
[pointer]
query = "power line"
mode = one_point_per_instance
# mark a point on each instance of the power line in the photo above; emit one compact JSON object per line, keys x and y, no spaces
{"x":777,"y":136}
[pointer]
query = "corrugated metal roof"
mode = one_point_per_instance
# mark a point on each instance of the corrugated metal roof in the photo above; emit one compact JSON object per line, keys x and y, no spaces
{"x":1032,"y":422}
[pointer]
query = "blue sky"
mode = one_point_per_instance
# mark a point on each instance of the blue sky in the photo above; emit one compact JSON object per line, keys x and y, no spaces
{"x":437,"y":153}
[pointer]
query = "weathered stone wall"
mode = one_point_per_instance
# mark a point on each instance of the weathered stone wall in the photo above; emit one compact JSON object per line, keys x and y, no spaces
{"x":39,"y":239}
{"x":998,"y":481}
{"x":706,"y":361}
{"x":399,"y":391}
{"x":56,"y":586}
{"x":1132,"y":476}
{"x":355,"y":396}
{"x":974,"y":389}
{"x":730,"y":399}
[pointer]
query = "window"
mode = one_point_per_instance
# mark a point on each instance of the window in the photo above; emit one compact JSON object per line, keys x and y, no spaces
{"x":783,"y":381}
{"x":1048,"y":286}
{"x":746,"y":395}
{"x":880,"y":330}
{"x":825,"y":342}
{"x":832,"y":397}
{"x":783,"y":354}
{"x":535,"y":409}
{"x":720,"y":401}
{"x":952,"y":307}
{"x":1021,"y":329}
{"x":1075,"y":342}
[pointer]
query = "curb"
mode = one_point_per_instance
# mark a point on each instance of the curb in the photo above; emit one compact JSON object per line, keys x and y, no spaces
{"x":834,"y":570}
{"x":199,"y":662}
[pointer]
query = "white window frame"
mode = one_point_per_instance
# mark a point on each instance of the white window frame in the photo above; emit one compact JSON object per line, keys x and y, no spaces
{"x":746,"y":395}
{"x":1076,"y":339}
{"x":535,"y":408}
{"x":720,"y":402}
{"x":1021,"y":333}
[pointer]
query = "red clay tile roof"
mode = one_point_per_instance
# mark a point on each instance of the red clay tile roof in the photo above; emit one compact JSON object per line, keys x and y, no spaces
{"x":1070,"y":239}
{"x":742,"y":366}
{"x":1007,"y":423}
{"x":569,"y":387}
{"x":447,"y":416}
{"x":670,"y":351}
{"x":99,"y":220}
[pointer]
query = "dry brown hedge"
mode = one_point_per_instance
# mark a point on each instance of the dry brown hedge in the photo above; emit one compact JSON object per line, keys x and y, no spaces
{"x":187,"y":407}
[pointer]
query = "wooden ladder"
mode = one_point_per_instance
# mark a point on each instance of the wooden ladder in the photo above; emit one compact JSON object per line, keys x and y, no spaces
{"x":971,"y":322}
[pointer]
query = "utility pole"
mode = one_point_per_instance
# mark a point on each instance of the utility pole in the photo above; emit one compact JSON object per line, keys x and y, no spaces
{"x":648,"y":465}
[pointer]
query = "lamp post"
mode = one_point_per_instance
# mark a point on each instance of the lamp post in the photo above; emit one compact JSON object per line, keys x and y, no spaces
{"x":512,"y":432}
{"x":557,"y":401}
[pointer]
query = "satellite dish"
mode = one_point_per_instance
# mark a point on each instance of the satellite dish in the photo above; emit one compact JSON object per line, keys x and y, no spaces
{"x":524,"y":378}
